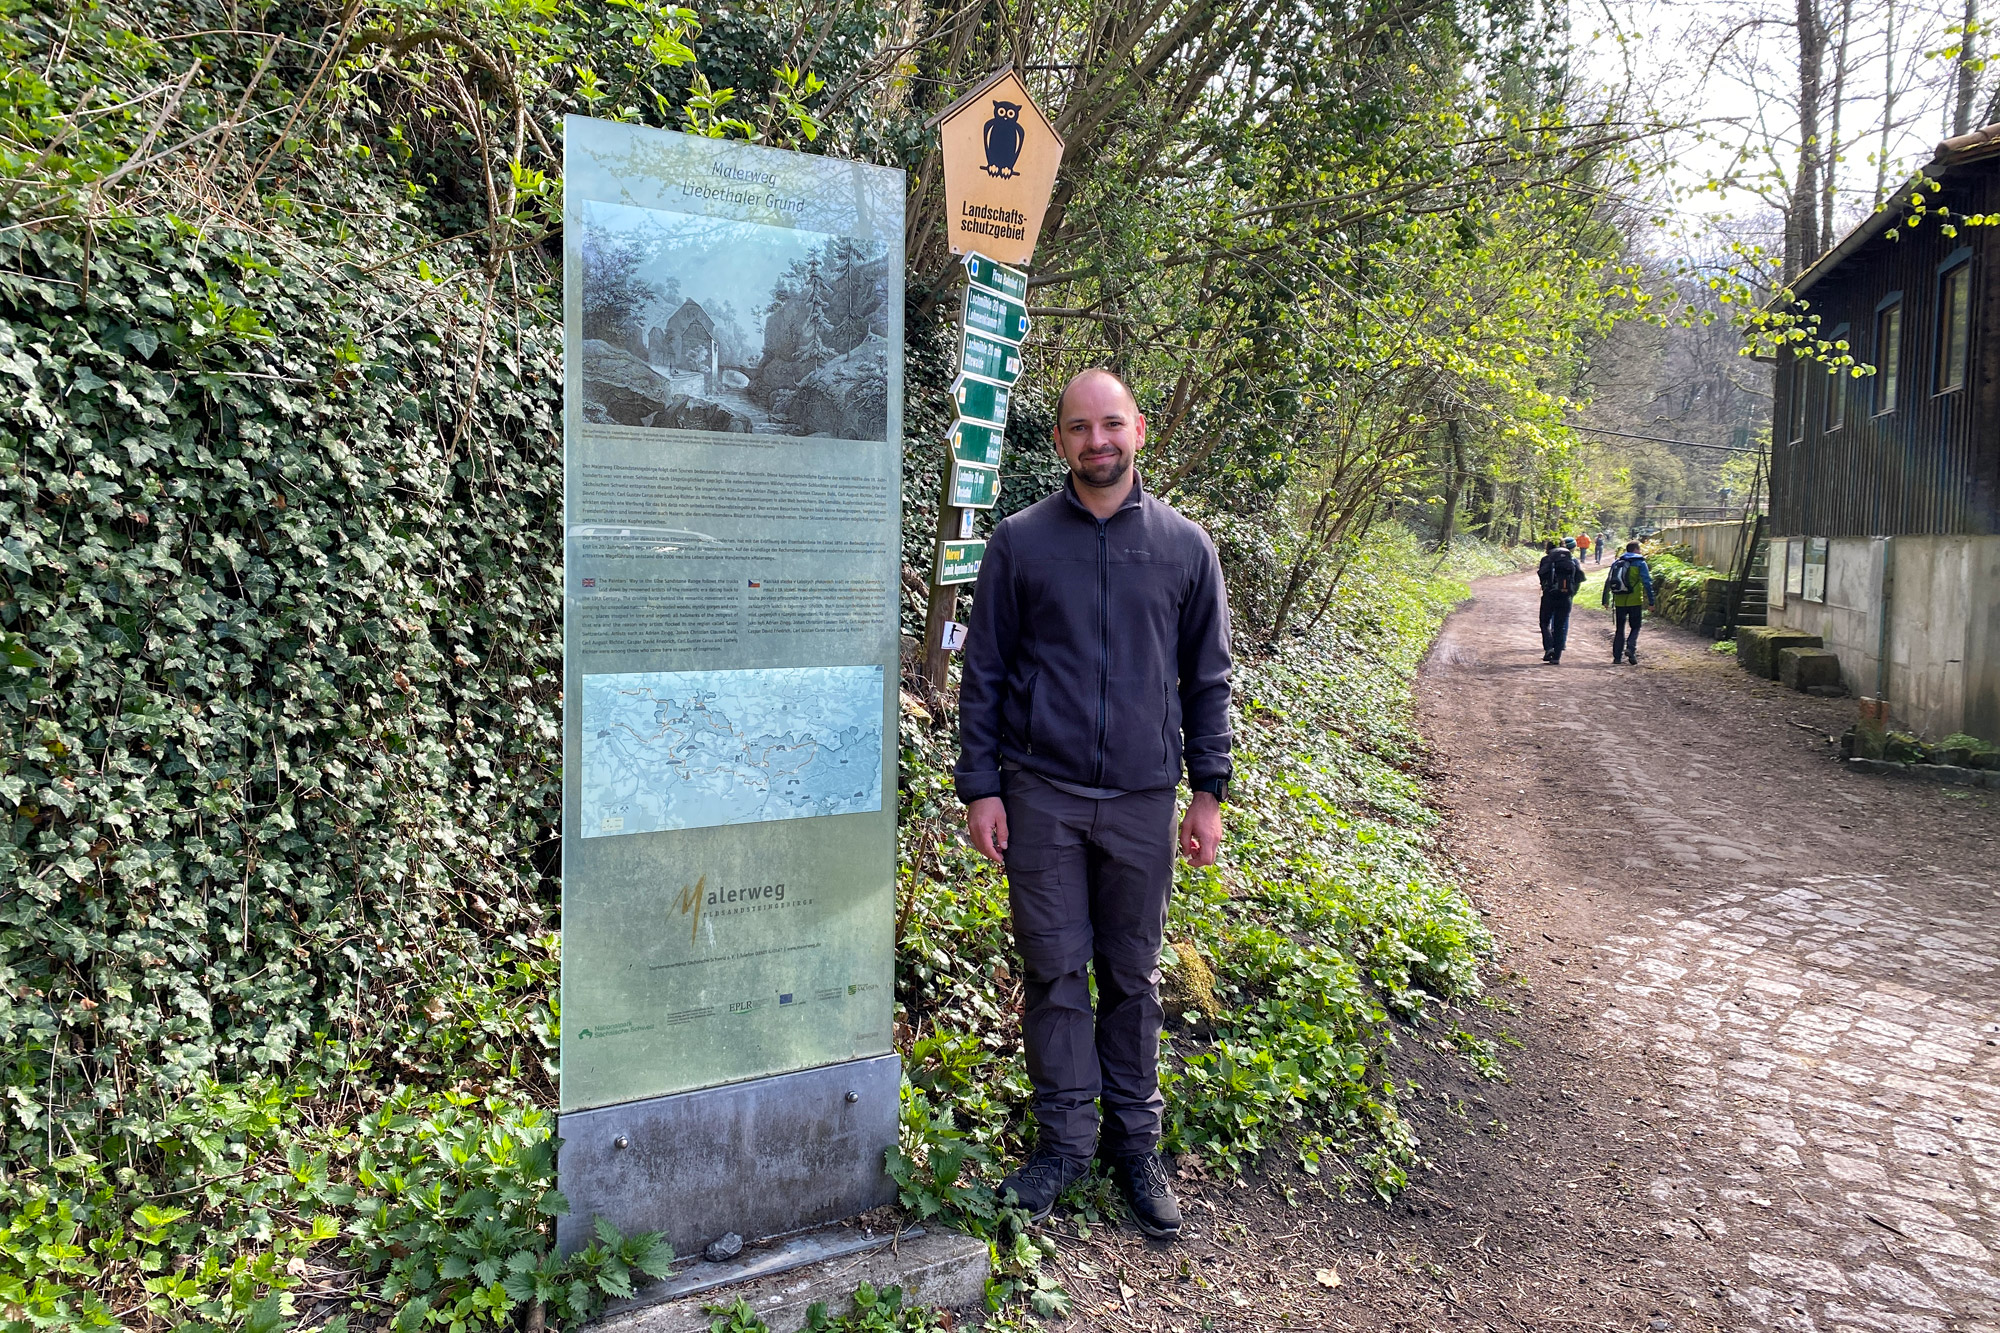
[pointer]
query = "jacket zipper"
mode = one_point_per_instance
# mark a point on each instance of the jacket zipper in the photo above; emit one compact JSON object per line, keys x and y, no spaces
{"x":1103,"y":640}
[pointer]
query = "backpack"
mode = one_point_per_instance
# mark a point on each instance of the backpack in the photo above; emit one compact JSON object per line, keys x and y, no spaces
{"x":1619,"y":580}
{"x":1560,"y":576}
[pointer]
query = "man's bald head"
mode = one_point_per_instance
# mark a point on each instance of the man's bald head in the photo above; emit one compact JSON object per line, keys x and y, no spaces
{"x":1094,"y":372}
{"x":1098,"y":431}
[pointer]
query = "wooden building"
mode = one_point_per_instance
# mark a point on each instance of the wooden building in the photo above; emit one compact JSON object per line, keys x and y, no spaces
{"x":1885,"y":488}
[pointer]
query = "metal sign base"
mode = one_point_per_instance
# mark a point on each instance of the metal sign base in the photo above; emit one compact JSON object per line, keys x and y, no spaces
{"x":814,"y":1247}
{"x":761,"y":1158}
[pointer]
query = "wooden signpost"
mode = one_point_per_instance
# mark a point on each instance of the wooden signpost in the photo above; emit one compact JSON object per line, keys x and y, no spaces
{"x":1000,"y":161}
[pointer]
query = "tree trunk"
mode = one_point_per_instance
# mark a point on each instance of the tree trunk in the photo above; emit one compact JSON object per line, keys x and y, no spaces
{"x":1832,"y":156}
{"x":1968,"y":70}
{"x":1802,"y":218}
{"x":1454,"y":482}
{"x":1496,"y":513}
{"x":1888,"y":100}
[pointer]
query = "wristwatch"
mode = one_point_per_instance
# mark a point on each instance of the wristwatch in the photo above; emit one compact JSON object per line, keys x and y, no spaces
{"x":1216,"y":787}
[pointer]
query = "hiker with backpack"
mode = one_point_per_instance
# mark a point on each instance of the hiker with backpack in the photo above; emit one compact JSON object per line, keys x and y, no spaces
{"x":1560,"y":576}
{"x":1626,"y":584}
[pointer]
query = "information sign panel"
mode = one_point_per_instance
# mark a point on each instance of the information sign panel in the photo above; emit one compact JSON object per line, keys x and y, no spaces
{"x":995,"y":316}
{"x":974,"y":486}
{"x":1815,"y":571}
{"x":734,"y":348}
{"x":958,"y":562}
{"x":989,"y":359}
{"x":998,"y":278}
{"x":981,"y":401}
{"x":973,"y":443}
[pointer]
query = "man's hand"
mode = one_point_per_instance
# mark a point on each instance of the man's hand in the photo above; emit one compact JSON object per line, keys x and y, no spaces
{"x":1201,"y":829}
{"x":986,"y":821}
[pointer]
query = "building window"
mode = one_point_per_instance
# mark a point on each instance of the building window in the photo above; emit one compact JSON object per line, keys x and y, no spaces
{"x":1954,"y":331}
{"x":1836,"y":390}
{"x":1795,"y":409}
{"x":1888,"y":352}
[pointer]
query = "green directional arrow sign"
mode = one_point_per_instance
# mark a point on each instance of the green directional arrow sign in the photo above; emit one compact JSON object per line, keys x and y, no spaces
{"x":989,"y":359}
{"x":995,"y":316}
{"x":973,"y":485}
{"x":1008,"y":282}
{"x":972,"y":442}
{"x":981,"y":400}
{"x":958,"y":562}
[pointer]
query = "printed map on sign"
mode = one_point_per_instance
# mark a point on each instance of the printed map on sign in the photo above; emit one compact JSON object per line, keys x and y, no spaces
{"x":692,"y":749}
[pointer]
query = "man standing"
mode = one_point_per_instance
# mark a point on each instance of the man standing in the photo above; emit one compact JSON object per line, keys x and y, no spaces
{"x":1096,"y":661}
{"x":1625,"y":583}
{"x":1560,"y":576}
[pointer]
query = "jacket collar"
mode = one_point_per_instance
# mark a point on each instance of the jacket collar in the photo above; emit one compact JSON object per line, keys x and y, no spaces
{"x":1133,"y":498}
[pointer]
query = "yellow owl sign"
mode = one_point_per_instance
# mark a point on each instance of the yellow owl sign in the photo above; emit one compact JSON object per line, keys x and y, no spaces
{"x":1000,"y":160}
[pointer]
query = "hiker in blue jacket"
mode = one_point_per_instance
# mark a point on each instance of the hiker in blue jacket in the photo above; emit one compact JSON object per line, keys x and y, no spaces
{"x":1560,"y":577}
{"x":1625,"y":584}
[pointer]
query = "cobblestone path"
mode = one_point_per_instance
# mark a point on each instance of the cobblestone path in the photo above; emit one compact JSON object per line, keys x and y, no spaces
{"x":1783,"y":973}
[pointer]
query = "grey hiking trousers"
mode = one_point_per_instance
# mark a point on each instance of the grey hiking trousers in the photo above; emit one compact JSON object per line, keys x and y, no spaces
{"x":1088,"y":882}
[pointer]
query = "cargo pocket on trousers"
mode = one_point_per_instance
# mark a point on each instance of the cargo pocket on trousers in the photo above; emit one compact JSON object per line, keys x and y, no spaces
{"x":1051,"y":916}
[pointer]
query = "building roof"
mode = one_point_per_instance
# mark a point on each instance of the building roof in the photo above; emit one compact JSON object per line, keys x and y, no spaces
{"x":1953,"y":157}
{"x":691,"y":312}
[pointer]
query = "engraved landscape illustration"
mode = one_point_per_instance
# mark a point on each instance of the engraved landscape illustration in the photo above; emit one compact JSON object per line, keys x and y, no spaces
{"x":702,"y":323}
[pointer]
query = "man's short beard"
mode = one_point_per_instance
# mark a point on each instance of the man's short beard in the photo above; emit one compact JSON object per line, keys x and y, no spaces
{"x":1103,"y":474}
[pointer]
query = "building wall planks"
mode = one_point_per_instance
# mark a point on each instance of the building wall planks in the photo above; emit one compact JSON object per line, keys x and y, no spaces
{"x":1932,"y":465}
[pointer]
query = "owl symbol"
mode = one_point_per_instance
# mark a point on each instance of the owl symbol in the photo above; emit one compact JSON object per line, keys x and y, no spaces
{"x":1003,"y":140}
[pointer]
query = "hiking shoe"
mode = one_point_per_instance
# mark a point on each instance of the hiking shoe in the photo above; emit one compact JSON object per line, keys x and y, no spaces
{"x":1143,"y":1177}
{"x":1041,"y":1180}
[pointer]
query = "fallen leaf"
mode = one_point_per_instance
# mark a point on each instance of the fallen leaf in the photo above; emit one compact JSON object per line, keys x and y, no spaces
{"x":1326,"y":1277}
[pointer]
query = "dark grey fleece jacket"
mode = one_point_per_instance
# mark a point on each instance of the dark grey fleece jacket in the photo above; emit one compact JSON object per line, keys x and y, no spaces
{"x":1098,"y":652}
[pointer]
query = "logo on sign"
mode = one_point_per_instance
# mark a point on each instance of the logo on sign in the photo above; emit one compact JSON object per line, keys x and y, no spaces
{"x":1004,"y":137}
{"x":690,"y":904}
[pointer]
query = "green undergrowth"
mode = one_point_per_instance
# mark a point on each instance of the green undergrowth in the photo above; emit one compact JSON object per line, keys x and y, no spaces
{"x":1680,"y":586}
{"x":1329,"y":927}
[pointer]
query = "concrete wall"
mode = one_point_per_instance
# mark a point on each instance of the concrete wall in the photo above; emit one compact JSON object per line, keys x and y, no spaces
{"x":1944,"y":627}
{"x":1717,"y":545}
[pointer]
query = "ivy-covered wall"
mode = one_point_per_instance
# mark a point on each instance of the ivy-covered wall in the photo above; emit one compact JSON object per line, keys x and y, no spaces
{"x":282,"y":605}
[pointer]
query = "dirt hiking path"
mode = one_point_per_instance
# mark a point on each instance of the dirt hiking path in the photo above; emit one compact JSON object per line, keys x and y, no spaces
{"x":1751,"y":1014}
